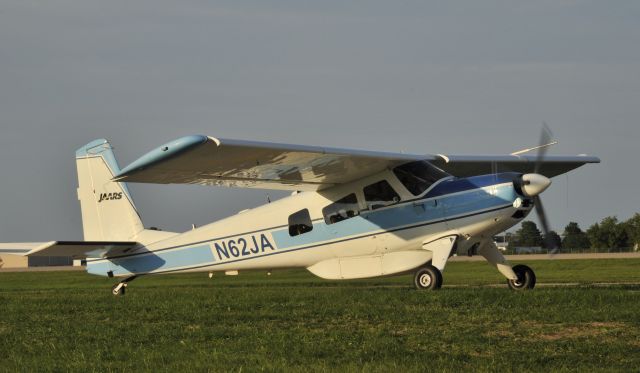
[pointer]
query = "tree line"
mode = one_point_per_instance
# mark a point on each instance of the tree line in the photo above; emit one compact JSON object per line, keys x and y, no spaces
{"x":609,"y":233}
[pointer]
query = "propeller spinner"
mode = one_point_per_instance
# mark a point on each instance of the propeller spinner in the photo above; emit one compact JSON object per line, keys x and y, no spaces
{"x":532,"y":185}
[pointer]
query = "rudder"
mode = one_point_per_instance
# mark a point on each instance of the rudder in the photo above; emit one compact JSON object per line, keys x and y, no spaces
{"x":108,"y":211}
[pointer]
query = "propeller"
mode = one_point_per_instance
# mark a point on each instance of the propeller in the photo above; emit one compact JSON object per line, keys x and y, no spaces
{"x":533,"y":184}
{"x":545,"y":141}
{"x":544,"y":222}
{"x":545,"y":138}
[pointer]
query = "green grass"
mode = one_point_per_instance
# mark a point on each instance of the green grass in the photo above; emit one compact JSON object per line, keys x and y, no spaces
{"x":69,"y":321}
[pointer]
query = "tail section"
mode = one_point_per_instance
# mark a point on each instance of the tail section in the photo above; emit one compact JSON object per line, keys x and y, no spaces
{"x":108,"y":212}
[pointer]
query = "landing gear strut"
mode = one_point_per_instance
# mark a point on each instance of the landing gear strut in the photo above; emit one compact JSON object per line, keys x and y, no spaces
{"x":526,"y":278}
{"x":119,"y":288}
{"x":428,"y":278}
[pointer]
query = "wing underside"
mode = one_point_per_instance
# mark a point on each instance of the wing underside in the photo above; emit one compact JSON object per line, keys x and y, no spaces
{"x":247,"y":164}
{"x":472,"y":165}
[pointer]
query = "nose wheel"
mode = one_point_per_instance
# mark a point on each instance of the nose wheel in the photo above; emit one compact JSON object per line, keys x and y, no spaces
{"x":428,"y":278}
{"x":526,"y":278}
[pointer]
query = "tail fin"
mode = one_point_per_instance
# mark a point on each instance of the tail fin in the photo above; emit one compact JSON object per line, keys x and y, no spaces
{"x":108,"y":212}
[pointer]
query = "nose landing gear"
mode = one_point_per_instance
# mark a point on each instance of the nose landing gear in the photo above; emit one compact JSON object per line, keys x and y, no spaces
{"x":526,"y":278}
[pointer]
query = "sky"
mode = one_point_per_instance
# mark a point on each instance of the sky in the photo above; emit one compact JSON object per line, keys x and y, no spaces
{"x":450,"y":77}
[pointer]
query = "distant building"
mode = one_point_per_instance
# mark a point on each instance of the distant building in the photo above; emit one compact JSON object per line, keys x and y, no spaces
{"x":502,"y":242}
{"x":19,"y":261}
{"x":529,"y":250}
{"x":13,"y":261}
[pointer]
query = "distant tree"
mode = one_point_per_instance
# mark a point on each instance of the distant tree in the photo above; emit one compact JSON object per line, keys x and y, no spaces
{"x":608,"y":234}
{"x":574,"y":237}
{"x":527,"y":236}
{"x":632,"y":227}
{"x":596,"y":237}
{"x":552,"y":241}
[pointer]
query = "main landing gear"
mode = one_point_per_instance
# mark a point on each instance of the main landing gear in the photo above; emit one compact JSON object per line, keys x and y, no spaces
{"x":120,"y":288}
{"x":428,"y":278}
{"x":526,"y":278}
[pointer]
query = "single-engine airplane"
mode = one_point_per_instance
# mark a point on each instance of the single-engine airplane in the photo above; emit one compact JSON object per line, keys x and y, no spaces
{"x":352,"y":213}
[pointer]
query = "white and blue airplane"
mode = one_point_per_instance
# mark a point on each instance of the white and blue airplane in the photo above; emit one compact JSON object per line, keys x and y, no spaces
{"x":351,"y":214}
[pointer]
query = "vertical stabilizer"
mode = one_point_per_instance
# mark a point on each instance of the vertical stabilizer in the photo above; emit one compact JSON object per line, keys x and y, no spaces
{"x":108,"y":212}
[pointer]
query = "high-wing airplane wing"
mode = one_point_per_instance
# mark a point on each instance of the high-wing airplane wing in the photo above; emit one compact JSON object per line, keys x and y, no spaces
{"x":210,"y":161}
{"x":470,"y":165}
{"x":75,"y":249}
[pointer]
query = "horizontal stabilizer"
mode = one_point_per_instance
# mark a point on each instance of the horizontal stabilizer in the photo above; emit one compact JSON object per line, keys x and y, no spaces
{"x":21,"y":248}
{"x":75,"y":249}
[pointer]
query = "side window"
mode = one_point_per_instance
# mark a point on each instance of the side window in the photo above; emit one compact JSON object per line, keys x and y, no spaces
{"x":342,"y":209}
{"x":380,"y":194}
{"x":299,"y":223}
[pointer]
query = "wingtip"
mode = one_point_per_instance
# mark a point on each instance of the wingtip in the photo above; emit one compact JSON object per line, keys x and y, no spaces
{"x":162,"y":153}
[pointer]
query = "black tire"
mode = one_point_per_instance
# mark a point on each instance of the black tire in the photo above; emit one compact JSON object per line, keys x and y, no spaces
{"x":526,"y":278}
{"x":428,"y":278}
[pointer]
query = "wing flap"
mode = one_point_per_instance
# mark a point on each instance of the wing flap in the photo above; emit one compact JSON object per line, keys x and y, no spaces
{"x":21,"y":248}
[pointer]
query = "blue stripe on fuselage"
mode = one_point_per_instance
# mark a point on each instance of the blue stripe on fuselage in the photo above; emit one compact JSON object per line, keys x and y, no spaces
{"x":185,"y":257}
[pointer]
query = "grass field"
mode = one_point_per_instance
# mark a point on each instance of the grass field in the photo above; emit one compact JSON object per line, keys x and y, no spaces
{"x":69,"y":321}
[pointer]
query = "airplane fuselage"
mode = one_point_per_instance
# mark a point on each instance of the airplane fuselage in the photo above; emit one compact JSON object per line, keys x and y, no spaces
{"x":472,"y":209}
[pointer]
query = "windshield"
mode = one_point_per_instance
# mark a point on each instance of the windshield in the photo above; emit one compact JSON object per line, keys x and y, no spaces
{"x":419,"y":176}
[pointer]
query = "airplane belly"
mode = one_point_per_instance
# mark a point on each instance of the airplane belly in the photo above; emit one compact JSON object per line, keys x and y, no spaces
{"x":370,"y":266}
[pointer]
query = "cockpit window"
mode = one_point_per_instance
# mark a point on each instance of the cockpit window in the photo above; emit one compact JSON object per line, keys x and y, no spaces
{"x":342,"y":209}
{"x":380,"y":194}
{"x":418,"y":176}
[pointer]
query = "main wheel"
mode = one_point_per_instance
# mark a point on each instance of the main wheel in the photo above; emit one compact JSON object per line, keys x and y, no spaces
{"x":526,"y":278}
{"x":428,"y":278}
